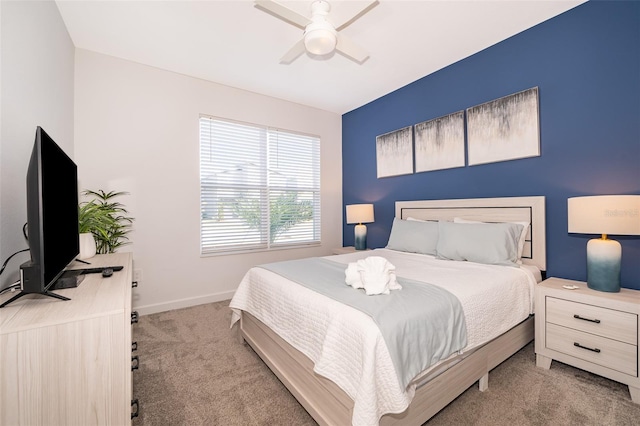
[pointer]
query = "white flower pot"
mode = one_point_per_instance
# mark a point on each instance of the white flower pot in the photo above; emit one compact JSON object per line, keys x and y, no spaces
{"x":87,"y":246}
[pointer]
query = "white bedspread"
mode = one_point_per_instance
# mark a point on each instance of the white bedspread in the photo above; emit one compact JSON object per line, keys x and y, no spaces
{"x":345,"y":344}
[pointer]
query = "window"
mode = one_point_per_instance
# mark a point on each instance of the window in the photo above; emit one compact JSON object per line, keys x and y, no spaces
{"x":259,"y":187}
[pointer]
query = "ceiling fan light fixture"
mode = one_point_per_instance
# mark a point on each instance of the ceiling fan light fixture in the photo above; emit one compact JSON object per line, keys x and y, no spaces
{"x":320,"y":37}
{"x":320,"y":41}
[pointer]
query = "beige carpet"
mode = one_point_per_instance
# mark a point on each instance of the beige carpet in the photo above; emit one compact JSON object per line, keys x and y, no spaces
{"x":194,"y":371}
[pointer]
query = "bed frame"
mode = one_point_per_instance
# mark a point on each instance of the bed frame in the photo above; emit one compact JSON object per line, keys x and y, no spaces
{"x":330,"y":405}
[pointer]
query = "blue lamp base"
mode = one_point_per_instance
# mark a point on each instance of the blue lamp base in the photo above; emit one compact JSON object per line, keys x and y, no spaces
{"x":360,"y":232}
{"x":603,"y":265}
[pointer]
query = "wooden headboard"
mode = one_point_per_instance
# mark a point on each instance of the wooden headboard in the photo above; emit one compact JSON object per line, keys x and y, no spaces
{"x":506,"y":209}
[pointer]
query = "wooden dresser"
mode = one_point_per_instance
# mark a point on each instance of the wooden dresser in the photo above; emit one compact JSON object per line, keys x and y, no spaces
{"x":592,"y":330}
{"x":69,"y":362}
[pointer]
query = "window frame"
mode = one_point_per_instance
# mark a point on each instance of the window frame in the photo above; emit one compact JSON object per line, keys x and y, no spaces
{"x":266,"y":190}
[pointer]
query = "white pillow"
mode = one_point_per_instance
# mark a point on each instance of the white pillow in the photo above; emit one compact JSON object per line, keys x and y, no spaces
{"x":521,"y":240}
{"x":490,"y":243}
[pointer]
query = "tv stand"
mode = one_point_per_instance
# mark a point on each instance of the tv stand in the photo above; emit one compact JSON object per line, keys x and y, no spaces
{"x":70,"y":363}
{"x":23,"y":293}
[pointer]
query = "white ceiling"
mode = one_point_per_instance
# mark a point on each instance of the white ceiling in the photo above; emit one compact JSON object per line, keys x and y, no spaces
{"x":234,"y":43}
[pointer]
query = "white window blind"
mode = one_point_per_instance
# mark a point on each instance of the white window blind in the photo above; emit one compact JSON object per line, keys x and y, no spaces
{"x":259,"y":187}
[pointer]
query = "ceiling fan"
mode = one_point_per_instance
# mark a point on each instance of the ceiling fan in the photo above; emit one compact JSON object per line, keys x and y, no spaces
{"x":320,"y":36}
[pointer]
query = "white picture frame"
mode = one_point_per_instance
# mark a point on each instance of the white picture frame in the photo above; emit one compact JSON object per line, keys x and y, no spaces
{"x":439,"y":143}
{"x":394,"y":153}
{"x":504,"y":129}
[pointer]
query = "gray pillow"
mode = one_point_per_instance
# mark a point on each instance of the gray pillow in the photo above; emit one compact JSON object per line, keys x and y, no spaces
{"x":490,"y":243}
{"x":413,"y":236}
{"x":523,"y":234}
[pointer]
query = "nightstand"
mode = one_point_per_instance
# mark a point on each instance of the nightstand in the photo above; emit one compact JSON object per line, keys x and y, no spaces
{"x":345,"y":250}
{"x":592,"y":330}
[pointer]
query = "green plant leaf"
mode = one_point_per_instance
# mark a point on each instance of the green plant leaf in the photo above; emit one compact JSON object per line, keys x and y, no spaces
{"x":106,"y":219}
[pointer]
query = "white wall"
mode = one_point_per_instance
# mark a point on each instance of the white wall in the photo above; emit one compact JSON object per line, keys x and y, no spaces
{"x":36,"y":90}
{"x":136,"y":130}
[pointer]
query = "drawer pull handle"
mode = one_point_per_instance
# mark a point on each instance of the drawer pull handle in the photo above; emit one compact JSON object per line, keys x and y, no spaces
{"x":576,"y":316}
{"x":135,"y":363}
{"x":134,"y":317}
{"x":136,"y":404}
{"x":134,"y":346}
{"x":596,"y":350}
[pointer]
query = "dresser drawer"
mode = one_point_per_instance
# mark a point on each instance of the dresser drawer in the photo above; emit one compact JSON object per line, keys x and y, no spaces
{"x":613,"y":354}
{"x":609,"y":323}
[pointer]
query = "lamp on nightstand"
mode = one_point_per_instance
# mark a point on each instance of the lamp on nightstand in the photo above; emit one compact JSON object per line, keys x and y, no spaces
{"x":604,"y":214}
{"x":360,"y":213}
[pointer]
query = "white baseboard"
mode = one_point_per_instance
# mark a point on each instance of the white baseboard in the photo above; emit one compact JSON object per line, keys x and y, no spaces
{"x":183,"y":303}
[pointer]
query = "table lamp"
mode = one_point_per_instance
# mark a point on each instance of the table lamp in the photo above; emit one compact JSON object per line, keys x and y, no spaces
{"x":604,"y":214}
{"x":360,"y":213}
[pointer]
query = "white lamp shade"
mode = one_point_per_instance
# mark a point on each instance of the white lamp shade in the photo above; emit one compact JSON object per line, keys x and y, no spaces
{"x":604,"y":214}
{"x":360,"y":213}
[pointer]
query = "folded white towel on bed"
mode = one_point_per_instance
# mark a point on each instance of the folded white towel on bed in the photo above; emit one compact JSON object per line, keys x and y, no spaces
{"x":375,"y":274}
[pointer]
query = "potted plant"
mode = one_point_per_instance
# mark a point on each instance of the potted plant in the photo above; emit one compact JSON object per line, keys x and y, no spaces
{"x":103,"y":223}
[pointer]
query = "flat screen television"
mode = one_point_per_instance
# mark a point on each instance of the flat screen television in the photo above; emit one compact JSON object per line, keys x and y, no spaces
{"x":52,"y":217}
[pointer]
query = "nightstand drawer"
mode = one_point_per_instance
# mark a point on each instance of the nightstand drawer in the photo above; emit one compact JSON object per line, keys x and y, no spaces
{"x":609,"y":323}
{"x":599,"y":350}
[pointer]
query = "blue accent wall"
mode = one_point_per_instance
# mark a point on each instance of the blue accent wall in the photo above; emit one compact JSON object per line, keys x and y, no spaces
{"x":586,"y":64}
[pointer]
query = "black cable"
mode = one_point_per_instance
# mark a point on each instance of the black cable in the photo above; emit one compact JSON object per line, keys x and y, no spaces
{"x":14,"y":285}
{"x":4,"y":265}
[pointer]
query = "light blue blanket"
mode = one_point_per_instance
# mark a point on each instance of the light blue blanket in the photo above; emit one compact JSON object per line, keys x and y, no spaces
{"x":421,"y":324}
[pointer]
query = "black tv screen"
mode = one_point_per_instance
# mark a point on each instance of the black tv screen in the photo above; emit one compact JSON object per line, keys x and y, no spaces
{"x":52,"y":213}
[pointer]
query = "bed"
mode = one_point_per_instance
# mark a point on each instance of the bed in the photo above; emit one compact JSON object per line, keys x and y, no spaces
{"x":330,"y":394}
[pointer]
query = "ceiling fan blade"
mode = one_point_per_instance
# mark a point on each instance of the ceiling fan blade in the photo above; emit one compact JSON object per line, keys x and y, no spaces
{"x":350,"y":49}
{"x":293,"y":53}
{"x":283,"y":12}
{"x":365,"y":9}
